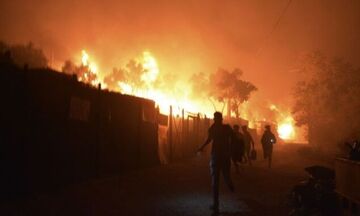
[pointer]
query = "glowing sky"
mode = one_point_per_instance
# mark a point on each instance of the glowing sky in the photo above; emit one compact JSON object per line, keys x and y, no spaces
{"x":191,"y":36}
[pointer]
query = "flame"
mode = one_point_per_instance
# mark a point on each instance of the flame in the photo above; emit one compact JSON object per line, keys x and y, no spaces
{"x":273,"y":107}
{"x":150,"y":65}
{"x":86,"y":63}
{"x":178,"y":98}
{"x":285,"y":123}
{"x":286,"y":129}
{"x":90,"y":75}
{"x":84,"y":58}
{"x":179,"y":95}
{"x":126,"y":88}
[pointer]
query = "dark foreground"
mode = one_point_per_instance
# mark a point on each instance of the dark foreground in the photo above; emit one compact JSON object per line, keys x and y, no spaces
{"x":181,"y":188}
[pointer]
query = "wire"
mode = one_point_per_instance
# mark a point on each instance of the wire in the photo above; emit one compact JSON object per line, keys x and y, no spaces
{"x":283,"y":12}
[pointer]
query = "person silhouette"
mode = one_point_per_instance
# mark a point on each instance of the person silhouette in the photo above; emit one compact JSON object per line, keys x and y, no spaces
{"x":248,"y":143}
{"x":237,"y":147}
{"x":220,"y":135}
{"x":268,"y":139}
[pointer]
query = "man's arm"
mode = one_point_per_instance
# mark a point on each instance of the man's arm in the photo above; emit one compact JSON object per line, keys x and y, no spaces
{"x":263,"y":139}
{"x":208,"y":140}
{"x":274,"y":138}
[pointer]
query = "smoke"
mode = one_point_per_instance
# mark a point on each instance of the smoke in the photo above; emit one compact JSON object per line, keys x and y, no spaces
{"x":189,"y":36}
{"x":327,"y":101}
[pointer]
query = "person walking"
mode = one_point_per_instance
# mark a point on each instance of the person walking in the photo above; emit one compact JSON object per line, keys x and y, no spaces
{"x":268,"y":139}
{"x":249,"y":143}
{"x":237,"y":147}
{"x":220,"y":135}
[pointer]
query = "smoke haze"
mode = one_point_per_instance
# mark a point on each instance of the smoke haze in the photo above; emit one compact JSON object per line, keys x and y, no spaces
{"x":191,"y":36}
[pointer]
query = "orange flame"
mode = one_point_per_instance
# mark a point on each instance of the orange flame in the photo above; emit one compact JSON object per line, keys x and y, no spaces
{"x":286,"y":129}
{"x":178,"y":96}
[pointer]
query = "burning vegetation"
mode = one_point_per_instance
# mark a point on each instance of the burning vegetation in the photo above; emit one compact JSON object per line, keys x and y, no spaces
{"x":222,"y":90}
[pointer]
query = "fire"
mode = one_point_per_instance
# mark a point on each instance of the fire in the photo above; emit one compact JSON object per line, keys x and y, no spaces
{"x":89,"y":70}
{"x":285,"y":123}
{"x":273,"y":107}
{"x":149,"y":63}
{"x":84,"y":58}
{"x":144,"y":77}
{"x":126,"y":88}
{"x":177,"y":97}
{"x":86,"y":63}
{"x":286,"y":129}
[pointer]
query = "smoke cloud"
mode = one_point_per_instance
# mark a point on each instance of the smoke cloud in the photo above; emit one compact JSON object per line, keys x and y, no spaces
{"x":189,"y":37}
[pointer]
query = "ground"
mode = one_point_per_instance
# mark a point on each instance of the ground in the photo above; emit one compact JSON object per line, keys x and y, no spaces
{"x":180,"y":188}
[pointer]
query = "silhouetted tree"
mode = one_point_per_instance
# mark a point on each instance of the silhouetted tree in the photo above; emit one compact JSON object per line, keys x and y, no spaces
{"x":83,"y":72}
{"x":227,"y":86}
{"x":25,"y":55}
{"x":113,"y":78}
{"x":69,"y":67}
{"x":326,"y":99}
{"x":223,"y":86}
{"x":200,"y":88}
{"x":131,"y":74}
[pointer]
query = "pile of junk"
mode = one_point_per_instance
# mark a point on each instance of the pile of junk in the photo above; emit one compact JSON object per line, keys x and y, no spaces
{"x":316,"y":195}
{"x":329,"y":191}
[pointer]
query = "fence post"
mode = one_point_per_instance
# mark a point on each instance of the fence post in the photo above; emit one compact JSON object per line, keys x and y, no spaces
{"x":171,"y":133}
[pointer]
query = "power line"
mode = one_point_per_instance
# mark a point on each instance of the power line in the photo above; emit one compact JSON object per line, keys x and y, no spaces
{"x":282,"y":14}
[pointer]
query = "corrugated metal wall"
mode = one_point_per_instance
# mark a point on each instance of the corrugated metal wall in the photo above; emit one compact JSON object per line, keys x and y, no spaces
{"x":56,"y":131}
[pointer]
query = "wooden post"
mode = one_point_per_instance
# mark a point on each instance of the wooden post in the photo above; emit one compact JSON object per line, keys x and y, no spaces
{"x":183,"y":132}
{"x":198,"y":128}
{"x":171,"y":133}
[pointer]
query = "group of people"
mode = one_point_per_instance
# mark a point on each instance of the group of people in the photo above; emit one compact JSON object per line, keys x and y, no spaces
{"x":241,"y":146}
{"x":229,"y":144}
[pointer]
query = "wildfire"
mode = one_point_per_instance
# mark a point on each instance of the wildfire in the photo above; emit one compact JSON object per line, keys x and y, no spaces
{"x":149,"y":63}
{"x":286,"y":129}
{"x":285,"y":122}
{"x":177,"y":97}
{"x":142,"y":79}
{"x":86,"y":63}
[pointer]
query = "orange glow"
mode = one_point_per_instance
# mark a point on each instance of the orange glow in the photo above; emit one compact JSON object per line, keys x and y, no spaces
{"x":286,"y":129}
{"x":84,"y":58}
{"x":149,"y":63}
{"x":90,"y":74}
{"x":178,"y":98}
{"x":178,"y":94}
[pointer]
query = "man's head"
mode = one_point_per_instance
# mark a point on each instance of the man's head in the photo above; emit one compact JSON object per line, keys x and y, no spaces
{"x":267,"y":127}
{"x":236,"y":127}
{"x":218,"y":117}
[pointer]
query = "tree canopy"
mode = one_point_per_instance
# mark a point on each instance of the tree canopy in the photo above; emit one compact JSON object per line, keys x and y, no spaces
{"x":326,"y":99}
{"x":224,"y":86}
{"x":27,"y":55}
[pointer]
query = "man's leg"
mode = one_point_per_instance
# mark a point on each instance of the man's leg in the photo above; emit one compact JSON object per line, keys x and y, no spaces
{"x":235,"y":162}
{"x":225,"y":169}
{"x":215,"y":171}
{"x":264,"y":151}
{"x":270,"y":155}
{"x":249,"y":156}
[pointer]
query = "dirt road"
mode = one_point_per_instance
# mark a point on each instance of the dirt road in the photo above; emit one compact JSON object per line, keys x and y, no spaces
{"x":181,"y":188}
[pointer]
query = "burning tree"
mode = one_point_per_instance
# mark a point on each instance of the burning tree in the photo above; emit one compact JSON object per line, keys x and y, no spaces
{"x":127,"y":78}
{"x":327,"y":100}
{"x":138,"y":74}
{"x":86,"y":72}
